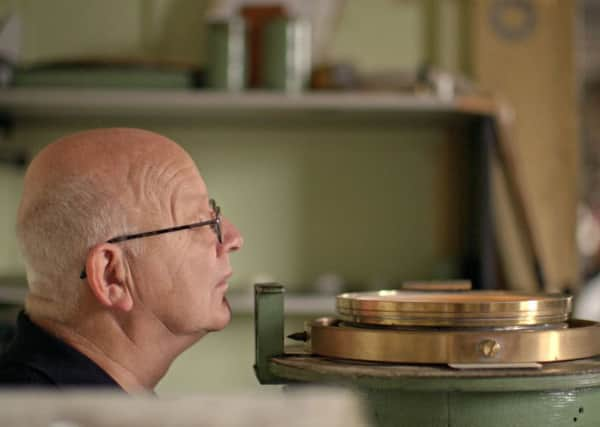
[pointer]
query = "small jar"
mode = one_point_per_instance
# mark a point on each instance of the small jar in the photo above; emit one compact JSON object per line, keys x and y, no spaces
{"x":226,"y":54}
{"x":286,"y":54}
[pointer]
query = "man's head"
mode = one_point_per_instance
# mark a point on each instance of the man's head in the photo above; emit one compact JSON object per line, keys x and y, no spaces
{"x":91,"y":186}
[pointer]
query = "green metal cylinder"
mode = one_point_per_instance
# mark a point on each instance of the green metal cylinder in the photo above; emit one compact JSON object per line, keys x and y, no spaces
{"x":286,"y":60}
{"x":226,"y":55}
{"x":560,"y":394}
{"x":491,"y":409}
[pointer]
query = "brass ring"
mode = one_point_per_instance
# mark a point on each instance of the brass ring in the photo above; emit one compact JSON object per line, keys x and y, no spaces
{"x":331,"y":339}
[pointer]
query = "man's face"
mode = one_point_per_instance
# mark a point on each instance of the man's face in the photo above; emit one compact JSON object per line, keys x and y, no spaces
{"x":182,"y":277}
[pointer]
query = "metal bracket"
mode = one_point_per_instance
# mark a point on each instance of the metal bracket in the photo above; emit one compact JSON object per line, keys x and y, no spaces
{"x":268,"y":329}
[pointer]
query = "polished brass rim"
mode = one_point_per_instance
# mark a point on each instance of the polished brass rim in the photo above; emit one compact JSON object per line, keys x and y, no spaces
{"x":471,"y":308}
{"x":477,"y":322}
{"x":327,"y":337}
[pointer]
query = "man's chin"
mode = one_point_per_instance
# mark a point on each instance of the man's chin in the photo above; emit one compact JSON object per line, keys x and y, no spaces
{"x":224,"y":317}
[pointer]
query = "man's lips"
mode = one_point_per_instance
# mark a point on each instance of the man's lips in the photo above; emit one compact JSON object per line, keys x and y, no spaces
{"x":223,"y":282}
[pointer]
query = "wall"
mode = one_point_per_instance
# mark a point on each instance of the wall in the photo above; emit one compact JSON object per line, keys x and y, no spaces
{"x":354,"y":198}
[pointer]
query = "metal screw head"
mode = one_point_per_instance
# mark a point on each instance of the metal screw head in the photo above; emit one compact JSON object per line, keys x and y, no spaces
{"x":489,"y":348}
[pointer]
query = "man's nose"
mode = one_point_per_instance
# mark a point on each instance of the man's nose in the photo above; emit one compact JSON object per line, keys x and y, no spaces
{"x":232,"y":239}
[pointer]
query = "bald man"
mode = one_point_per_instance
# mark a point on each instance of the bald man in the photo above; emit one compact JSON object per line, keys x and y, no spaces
{"x":127,"y":262}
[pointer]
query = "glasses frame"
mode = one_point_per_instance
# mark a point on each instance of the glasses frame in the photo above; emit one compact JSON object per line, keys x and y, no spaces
{"x":215,"y":225}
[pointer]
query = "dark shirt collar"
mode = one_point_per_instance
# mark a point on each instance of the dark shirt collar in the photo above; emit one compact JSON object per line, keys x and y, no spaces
{"x":62,"y":364}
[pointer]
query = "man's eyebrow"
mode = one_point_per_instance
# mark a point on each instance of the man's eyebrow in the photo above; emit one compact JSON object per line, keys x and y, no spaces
{"x":191,"y":205}
{"x":203,"y":201}
{"x":200,"y":202}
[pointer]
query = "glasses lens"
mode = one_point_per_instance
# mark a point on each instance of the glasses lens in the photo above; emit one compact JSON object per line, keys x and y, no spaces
{"x":216,"y":226}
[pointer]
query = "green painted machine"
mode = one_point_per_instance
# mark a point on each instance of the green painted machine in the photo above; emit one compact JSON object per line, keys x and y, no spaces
{"x":451,"y":359}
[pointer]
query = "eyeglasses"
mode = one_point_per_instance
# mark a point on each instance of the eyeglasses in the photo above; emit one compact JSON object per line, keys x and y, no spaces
{"x":215,"y":225}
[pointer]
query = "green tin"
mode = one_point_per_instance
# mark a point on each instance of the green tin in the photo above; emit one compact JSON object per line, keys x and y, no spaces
{"x":226,"y":67}
{"x":286,"y":54}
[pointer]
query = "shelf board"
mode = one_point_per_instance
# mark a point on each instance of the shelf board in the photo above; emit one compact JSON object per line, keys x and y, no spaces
{"x":47,"y":103}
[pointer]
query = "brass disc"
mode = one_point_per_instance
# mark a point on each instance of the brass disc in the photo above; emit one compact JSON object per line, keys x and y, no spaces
{"x":330,"y":338}
{"x":451,"y":309}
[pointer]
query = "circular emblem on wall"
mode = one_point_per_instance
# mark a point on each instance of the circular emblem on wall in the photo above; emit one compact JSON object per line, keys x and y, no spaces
{"x":513,"y":19}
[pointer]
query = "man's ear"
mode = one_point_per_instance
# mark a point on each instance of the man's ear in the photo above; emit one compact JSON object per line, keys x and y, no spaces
{"x":107,"y":276}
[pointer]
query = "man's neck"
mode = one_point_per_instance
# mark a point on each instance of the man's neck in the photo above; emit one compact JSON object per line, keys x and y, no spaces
{"x":133,"y":353}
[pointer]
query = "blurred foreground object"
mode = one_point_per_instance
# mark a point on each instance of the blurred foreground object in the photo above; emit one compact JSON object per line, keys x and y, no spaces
{"x":310,"y":407}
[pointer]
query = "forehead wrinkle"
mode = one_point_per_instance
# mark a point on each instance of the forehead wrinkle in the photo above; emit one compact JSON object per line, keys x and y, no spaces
{"x":188,"y":204}
{"x":143,"y":191}
{"x":180,"y":181}
{"x":150,"y":184}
